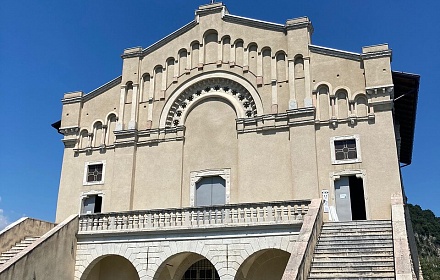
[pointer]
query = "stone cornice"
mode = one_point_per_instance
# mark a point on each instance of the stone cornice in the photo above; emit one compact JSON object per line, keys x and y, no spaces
{"x":378,"y":54}
{"x":281,"y":121}
{"x":116,"y":81}
{"x":335,"y":52}
{"x":255,"y":23}
{"x":383,"y":90}
{"x":71,"y":100}
{"x":210,"y":9}
{"x":298,"y":23}
{"x":70,"y":130}
{"x":162,"y":41}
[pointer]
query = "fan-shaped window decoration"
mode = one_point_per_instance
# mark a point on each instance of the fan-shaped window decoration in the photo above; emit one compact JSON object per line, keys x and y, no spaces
{"x":220,"y":86}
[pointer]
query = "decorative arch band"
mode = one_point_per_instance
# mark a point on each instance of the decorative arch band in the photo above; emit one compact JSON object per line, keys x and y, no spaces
{"x":232,"y":91}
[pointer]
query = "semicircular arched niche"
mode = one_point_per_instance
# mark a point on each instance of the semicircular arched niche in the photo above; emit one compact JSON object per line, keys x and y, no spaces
{"x":237,"y":95}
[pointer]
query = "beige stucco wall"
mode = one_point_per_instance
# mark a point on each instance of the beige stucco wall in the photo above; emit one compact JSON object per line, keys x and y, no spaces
{"x":51,"y":257}
{"x":274,"y":157}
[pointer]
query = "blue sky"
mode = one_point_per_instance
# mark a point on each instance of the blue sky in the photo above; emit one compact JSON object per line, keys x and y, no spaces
{"x":48,"y":48}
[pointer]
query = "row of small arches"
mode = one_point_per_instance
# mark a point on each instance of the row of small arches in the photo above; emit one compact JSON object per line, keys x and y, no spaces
{"x":339,"y":105}
{"x":262,"y":62}
{"x":100,"y":134}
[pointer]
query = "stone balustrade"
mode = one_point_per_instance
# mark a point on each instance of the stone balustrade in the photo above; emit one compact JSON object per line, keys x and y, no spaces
{"x":283,"y":212}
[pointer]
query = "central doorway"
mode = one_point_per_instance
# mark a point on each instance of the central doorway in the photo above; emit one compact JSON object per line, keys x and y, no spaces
{"x":350,"y":199}
{"x":210,"y":191}
{"x":201,"y":270}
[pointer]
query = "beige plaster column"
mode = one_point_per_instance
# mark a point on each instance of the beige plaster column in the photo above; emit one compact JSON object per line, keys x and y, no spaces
{"x":291,"y":78}
{"x":308,"y":93}
{"x":120,"y":124}
{"x":134,"y":106}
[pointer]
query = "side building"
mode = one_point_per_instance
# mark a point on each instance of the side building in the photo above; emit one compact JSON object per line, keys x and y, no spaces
{"x":234,"y":148}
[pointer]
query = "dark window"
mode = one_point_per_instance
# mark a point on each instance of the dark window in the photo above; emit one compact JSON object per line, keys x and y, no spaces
{"x":94,"y":172}
{"x":92,"y":204}
{"x":345,"y":149}
{"x":201,"y":270}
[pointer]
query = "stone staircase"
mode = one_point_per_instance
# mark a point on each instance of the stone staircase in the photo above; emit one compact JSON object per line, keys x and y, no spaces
{"x":20,"y":246}
{"x":354,"y":250}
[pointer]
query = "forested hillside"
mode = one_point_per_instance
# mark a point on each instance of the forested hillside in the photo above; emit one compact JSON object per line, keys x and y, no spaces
{"x":427,"y":232}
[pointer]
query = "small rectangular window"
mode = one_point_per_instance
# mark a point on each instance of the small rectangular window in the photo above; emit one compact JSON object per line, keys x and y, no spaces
{"x":94,"y":173}
{"x":345,"y":149}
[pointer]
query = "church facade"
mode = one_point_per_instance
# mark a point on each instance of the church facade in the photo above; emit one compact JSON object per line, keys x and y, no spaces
{"x":223,"y":148}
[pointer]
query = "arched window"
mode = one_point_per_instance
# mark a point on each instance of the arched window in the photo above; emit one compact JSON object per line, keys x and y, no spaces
{"x":183,"y":61}
{"x":201,"y":270}
{"x":84,"y":139}
{"x":111,"y":126}
{"x":267,"y":66}
{"x":253,"y":56}
{"x":210,"y":191}
{"x":361,"y":106}
{"x":342,"y":104}
{"x":281,"y":67}
{"x":145,"y":87}
{"x":97,"y":134}
{"x":239,"y":52}
{"x":211,"y":47}
{"x":194,"y":55}
{"x":323,"y":103}
{"x":226,"y":48}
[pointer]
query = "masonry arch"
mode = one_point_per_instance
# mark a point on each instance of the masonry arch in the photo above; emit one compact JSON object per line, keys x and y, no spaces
{"x":108,"y":267}
{"x":240,"y":93}
{"x":264,"y":264}
{"x":187,"y":265}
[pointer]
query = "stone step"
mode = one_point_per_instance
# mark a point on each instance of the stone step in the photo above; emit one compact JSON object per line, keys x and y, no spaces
{"x":370,"y":266}
{"x":353,"y":254}
{"x":357,"y":246}
{"x":362,"y":223}
{"x":353,"y":262}
{"x":351,"y":274}
{"x":339,"y":258}
{"x":356,"y":231}
{"x":356,"y":237}
{"x":17,"y":248}
{"x":351,"y":278}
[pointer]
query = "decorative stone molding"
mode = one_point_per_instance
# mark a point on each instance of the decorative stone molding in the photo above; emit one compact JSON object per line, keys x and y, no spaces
{"x":345,"y":161}
{"x":383,"y":90}
{"x":71,"y":130}
{"x":255,"y":23}
{"x":335,"y":52}
{"x":377,"y":54}
{"x":294,"y":117}
{"x":359,"y":173}
{"x":230,"y":90}
{"x":198,"y":175}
